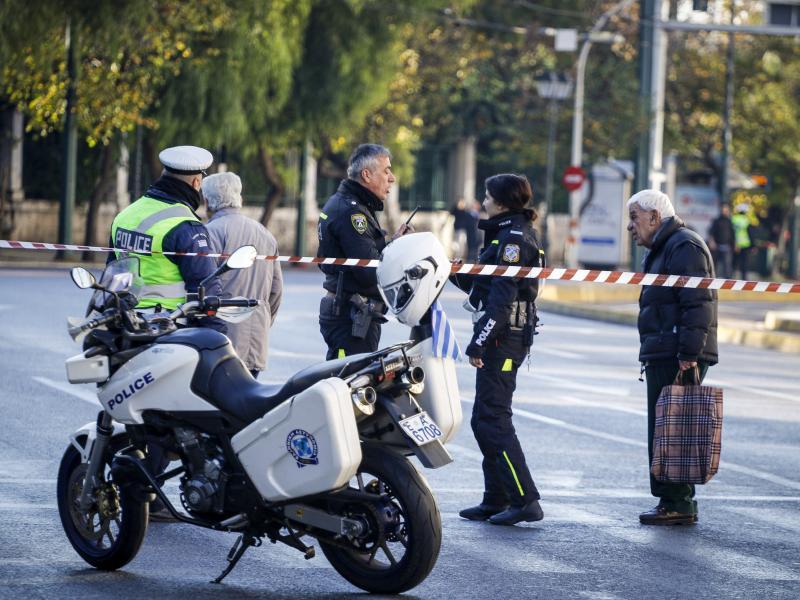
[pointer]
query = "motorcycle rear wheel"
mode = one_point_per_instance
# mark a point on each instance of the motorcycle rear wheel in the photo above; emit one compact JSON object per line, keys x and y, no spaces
{"x":403,"y":520}
{"x":110,"y":533}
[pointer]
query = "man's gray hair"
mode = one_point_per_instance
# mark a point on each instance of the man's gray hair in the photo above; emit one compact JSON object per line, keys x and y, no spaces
{"x":365,"y":157}
{"x":653,"y":200}
{"x":222,"y":190}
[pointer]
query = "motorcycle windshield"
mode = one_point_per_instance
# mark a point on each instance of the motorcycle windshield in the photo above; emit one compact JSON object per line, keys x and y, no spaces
{"x":120,"y":276}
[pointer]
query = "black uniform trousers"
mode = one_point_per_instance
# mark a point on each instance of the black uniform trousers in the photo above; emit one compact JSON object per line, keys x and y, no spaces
{"x":673,"y":496}
{"x":507,"y":479}
{"x":337,"y":331}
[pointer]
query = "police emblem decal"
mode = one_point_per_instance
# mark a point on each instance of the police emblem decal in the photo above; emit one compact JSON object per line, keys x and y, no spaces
{"x":303,"y":447}
{"x":359,"y":222}
{"x":511,"y":253}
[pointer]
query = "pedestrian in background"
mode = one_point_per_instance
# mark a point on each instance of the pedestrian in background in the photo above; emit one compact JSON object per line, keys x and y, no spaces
{"x":744,"y":244}
{"x":504,"y":317}
{"x":722,"y":242}
{"x":465,"y":226}
{"x":677,"y":327}
{"x":351,"y":312}
{"x":229,"y":229}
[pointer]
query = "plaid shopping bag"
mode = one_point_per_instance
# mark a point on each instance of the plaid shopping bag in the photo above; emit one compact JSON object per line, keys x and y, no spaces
{"x":688,"y":432}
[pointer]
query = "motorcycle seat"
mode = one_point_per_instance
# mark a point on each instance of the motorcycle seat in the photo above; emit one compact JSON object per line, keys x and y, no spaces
{"x":223,"y":380}
{"x":233,"y":389}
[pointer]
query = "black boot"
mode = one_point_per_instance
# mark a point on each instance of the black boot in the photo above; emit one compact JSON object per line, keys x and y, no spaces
{"x":661,"y":515}
{"x":481,"y":512}
{"x":516,"y":514}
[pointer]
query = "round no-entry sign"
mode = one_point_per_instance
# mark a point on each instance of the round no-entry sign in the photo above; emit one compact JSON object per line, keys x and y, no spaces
{"x":573,"y":178}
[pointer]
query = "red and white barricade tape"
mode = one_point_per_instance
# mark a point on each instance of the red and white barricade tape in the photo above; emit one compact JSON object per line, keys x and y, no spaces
{"x":549,"y":273}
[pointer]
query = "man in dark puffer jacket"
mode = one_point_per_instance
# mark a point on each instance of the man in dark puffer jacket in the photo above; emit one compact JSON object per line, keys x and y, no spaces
{"x":677,"y":327}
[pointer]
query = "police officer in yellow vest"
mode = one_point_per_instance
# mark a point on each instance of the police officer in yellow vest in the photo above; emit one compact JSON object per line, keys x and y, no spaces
{"x":164,"y":220}
{"x":741,"y":227}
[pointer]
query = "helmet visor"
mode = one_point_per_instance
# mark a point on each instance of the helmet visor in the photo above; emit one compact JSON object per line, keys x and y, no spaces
{"x":398,"y":294}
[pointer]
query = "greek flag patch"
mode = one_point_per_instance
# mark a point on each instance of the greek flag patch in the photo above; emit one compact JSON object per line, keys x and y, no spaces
{"x":444,"y":340}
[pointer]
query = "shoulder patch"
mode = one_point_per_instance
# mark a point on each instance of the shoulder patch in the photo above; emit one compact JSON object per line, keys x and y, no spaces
{"x":511,"y":253}
{"x":359,"y":222}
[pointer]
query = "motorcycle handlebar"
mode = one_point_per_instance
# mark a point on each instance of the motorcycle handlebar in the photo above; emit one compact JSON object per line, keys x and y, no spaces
{"x":76,"y":330}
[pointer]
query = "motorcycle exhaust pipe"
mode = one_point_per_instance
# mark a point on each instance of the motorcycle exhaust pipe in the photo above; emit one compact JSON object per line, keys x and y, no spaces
{"x":416,"y":375}
{"x":364,"y":401}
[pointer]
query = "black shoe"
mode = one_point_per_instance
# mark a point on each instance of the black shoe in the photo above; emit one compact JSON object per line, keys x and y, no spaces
{"x":481,"y":512}
{"x":661,"y":515}
{"x":529,"y":512}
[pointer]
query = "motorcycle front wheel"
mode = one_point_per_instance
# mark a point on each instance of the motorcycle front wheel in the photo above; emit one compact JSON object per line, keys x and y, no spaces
{"x":402,"y":543}
{"x":109,"y":534}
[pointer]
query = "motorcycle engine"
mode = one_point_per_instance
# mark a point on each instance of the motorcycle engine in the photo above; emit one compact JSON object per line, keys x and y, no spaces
{"x":203,"y":485}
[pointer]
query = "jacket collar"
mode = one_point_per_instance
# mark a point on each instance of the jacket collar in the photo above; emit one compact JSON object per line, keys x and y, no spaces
{"x":228,"y":210}
{"x":665,"y":230}
{"x":174,"y":190}
{"x":362,"y":194}
{"x":505,"y":219}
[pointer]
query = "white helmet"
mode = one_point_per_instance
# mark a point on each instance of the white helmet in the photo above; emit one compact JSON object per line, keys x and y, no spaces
{"x":411,"y":275}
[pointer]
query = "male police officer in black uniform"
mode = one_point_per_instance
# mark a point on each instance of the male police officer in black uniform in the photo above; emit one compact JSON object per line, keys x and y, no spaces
{"x":351,"y":312}
{"x":505,"y":318}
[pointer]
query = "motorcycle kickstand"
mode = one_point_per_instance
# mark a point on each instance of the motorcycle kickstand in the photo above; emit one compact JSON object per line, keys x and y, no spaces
{"x":243,"y":542}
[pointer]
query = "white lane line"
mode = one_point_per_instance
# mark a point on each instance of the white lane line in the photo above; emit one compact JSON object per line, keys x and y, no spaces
{"x":606,"y":405}
{"x":623,"y":494}
{"x":560,"y":353}
{"x":76,"y":392}
{"x":289,"y":354}
{"x":676,"y":544}
{"x":509,"y":558}
{"x":756,"y":392}
{"x":460,"y":451}
{"x":563,"y":383}
{"x":776,"y":517}
{"x":757,"y":473}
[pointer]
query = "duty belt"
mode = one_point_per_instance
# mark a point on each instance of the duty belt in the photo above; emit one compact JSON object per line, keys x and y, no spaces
{"x":517,"y":318}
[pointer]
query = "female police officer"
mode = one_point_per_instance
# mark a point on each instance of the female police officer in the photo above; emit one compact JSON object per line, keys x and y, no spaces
{"x":504,"y":315}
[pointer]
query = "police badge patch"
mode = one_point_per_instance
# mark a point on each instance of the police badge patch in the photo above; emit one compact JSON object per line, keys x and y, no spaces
{"x":511,"y":253}
{"x":303,"y":447}
{"x":359,"y":222}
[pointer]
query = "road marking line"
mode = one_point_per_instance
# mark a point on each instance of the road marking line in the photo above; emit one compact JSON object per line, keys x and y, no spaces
{"x":751,"y":390}
{"x":67,"y":388}
{"x":758,"y":474}
{"x":616,"y":407}
{"x":776,"y":517}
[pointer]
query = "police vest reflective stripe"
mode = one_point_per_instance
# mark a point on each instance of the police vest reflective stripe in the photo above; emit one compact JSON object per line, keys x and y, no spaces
{"x":139,"y":230}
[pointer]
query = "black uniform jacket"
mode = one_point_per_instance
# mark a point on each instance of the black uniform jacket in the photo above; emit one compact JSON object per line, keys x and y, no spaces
{"x":678,"y":322}
{"x":348,"y":228}
{"x":511,"y":241}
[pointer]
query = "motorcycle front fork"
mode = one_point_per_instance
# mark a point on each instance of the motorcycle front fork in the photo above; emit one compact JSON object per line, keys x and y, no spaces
{"x":96,"y":459}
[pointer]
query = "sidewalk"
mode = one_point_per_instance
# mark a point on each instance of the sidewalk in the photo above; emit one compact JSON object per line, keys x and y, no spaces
{"x":759,"y":320}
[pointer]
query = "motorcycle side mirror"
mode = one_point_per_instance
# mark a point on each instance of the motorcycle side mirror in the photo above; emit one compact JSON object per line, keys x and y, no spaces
{"x":83,"y":278}
{"x":241,"y":258}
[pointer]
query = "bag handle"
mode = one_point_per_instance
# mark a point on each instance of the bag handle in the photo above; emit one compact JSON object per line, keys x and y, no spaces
{"x":692,"y":375}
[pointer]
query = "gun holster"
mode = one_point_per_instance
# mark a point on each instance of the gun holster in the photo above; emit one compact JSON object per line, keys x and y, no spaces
{"x":529,"y":329}
{"x":363,"y":312}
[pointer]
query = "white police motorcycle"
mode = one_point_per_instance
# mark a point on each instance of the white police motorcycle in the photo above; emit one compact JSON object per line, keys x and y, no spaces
{"x":323,"y":455}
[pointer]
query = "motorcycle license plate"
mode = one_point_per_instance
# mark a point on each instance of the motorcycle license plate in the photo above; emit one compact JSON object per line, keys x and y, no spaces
{"x":421,"y":428}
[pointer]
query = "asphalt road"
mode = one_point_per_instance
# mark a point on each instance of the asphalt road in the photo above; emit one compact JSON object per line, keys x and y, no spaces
{"x":580,"y":417}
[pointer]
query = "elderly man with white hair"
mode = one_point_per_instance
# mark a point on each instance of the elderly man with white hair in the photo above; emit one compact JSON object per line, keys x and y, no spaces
{"x":229,"y":229}
{"x":677,"y":327}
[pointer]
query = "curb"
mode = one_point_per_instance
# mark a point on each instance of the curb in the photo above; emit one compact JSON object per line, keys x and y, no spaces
{"x":730,"y":331}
